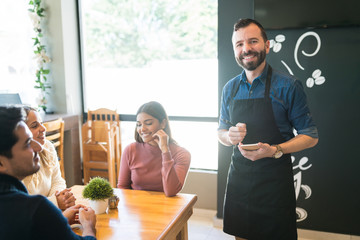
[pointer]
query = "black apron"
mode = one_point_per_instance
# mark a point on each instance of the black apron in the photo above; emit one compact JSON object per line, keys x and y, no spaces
{"x":260,"y":196}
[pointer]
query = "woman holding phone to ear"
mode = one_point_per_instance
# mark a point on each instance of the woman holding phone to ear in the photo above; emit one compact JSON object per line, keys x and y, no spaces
{"x":155,"y":161}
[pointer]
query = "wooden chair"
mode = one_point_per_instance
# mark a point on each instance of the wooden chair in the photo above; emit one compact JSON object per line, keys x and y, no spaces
{"x":104,"y":114}
{"x":55,"y":134}
{"x":98,"y":151}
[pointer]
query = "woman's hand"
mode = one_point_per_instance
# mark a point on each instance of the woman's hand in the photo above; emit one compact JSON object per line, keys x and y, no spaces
{"x":65,"y":198}
{"x":162,"y":139}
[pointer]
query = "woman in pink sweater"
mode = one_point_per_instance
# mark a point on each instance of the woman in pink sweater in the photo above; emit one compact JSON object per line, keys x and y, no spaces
{"x":155,"y":161}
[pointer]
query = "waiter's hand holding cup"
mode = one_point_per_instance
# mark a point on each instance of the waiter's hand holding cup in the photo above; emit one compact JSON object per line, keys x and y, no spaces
{"x":237,"y":133}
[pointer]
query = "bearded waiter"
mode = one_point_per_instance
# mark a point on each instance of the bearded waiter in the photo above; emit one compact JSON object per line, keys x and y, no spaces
{"x":262,"y":106}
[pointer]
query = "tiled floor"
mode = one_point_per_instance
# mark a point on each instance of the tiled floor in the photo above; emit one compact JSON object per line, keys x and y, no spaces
{"x":201,"y":227}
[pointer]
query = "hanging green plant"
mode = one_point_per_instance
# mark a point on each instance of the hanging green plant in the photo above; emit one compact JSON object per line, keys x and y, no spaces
{"x":36,"y":13}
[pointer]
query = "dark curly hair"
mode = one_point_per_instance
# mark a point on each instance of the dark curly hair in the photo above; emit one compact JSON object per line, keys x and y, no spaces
{"x":10,"y":117}
{"x":244,"y":22}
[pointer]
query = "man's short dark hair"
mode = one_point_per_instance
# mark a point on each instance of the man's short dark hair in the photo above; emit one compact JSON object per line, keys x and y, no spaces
{"x":10,"y":117}
{"x":244,"y":22}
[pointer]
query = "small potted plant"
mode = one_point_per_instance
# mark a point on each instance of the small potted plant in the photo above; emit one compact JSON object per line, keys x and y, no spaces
{"x":98,"y":191}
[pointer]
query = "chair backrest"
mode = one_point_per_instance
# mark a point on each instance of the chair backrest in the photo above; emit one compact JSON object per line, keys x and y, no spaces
{"x":100,"y":131}
{"x":103,"y":114}
{"x":95,"y":132}
{"x":98,"y":142}
{"x":55,"y":134}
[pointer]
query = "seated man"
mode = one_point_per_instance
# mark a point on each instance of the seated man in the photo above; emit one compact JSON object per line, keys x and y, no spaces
{"x":23,"y":216}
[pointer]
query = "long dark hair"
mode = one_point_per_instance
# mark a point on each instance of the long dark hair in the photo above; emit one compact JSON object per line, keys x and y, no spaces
{"x":157,"y":111}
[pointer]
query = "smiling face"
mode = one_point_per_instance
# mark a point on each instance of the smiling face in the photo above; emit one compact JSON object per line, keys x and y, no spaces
{"x":147,"y":126}
{"x":25,"y":158}
{"x":250,"y":49}
{"x":38,"y":130}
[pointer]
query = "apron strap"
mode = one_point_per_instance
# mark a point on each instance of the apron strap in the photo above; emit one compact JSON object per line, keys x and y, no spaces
{"x":268,"y":83}
{"x":235,"y":90}
{"x":267,"y":86}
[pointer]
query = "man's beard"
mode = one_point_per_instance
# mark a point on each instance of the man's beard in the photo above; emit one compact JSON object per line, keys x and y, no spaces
{"x":251,"y":66}
{"x":23,"y":173}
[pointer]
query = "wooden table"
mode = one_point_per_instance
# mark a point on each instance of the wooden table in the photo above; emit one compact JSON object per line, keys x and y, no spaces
{"x":143,"y":215}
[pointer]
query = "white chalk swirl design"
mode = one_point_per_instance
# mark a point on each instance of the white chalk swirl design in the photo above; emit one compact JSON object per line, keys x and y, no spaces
{"x":301,"y":38}
{"x":301,"y":214}
{"x":307,"y":191}
{"x":302,"y":165}
{"x":287,"y":67}
{"x":315,"y":78}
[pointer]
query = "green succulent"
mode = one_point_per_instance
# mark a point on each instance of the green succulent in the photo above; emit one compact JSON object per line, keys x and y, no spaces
{"x":97,"y":189}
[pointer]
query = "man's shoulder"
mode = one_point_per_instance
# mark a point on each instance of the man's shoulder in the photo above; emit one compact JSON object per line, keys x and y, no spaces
{"x":283,"y":75}
{"x":17,"y":212}
{"x":235,"y":79}
{"x":34,"y":201}
{"x":283,"y":79}
{"x":232,"y":82}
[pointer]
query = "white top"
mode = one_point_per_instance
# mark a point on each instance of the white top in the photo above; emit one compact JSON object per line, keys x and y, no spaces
{"x":48,"y":179}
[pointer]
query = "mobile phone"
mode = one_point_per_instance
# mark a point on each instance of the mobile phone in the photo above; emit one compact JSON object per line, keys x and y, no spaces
{"x":250,"y":147}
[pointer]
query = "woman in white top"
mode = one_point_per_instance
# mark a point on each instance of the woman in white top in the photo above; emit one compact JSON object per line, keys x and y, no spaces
{"x":47,"y":181}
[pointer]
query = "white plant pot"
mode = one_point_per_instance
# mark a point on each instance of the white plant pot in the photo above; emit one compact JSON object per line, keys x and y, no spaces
{"x":99,"y":206}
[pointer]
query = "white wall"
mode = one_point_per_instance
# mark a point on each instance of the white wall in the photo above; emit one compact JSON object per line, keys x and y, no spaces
{"x":63,"y":46}
{"x":64,"y":50}
{"x":204,"y":185}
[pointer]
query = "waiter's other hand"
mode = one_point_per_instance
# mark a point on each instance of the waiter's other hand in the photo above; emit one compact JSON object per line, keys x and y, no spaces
{"x":237,"y":133}
{"x":265,"y":150}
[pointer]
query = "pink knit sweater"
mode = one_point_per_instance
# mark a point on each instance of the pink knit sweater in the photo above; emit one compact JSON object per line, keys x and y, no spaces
{"x":145,"y":167}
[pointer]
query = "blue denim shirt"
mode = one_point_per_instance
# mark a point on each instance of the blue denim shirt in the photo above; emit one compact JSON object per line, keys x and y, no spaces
{"x":288,"y":100}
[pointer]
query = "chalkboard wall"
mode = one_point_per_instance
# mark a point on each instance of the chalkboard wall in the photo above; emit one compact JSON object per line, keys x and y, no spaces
{"x":329,"y":188}
{"x":327,"y":177}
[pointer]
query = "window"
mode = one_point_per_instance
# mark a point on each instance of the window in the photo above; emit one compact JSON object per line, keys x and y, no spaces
{"x":138,"y":51}
{"x":16,"y":48}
